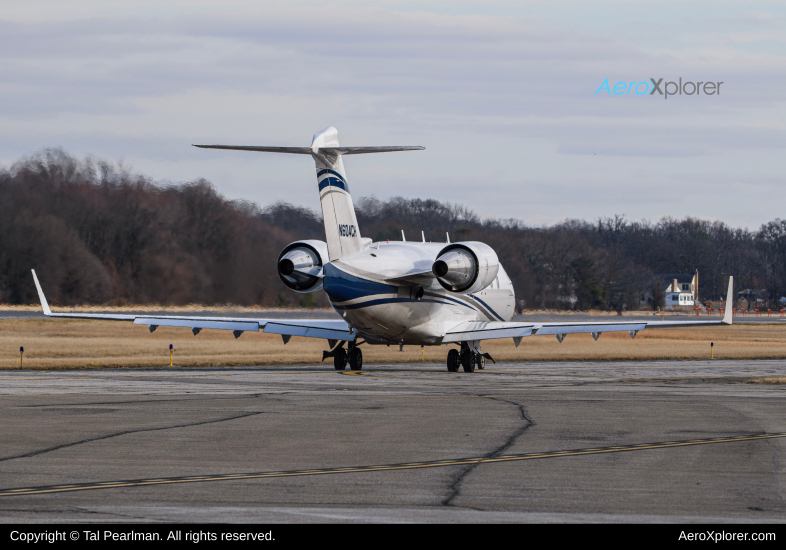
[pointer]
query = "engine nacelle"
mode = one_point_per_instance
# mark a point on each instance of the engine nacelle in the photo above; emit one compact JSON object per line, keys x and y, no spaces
{"x":466,"y":267}
{"x":300,"y":265}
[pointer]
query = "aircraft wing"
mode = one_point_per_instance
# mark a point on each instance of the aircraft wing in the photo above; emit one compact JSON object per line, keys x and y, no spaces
{"x":311,"y":328}
{"x":491,"y":330}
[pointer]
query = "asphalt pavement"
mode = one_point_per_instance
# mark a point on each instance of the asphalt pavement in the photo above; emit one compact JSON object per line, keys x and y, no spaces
{"x":695,"y":441}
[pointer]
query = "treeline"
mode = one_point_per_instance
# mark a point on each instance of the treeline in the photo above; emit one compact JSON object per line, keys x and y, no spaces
{"x":99,"y":234}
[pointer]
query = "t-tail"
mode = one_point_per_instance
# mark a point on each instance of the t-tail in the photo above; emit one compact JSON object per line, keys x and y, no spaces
{"x":341,"y":226}
{"x":338,"y":212}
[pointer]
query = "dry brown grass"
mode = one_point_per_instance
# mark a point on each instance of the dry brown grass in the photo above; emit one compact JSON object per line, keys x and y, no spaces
{"x":59,"y":343}
{"x":770,"y":380}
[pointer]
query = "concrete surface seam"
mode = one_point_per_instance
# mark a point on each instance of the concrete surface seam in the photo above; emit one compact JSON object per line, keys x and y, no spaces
{"x":117,"y":434}
{"x":455,"y":486}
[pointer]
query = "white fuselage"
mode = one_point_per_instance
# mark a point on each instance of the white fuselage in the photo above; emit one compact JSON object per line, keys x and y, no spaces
{"x":377,"y":292}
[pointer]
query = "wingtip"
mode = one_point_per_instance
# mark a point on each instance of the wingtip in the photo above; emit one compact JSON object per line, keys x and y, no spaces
{"x":44,"y":304}
{"x":729,"y":314}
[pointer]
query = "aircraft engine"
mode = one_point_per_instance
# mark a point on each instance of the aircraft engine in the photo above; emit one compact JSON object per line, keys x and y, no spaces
{"x":466,"y":267}
{"x":300,"y":265}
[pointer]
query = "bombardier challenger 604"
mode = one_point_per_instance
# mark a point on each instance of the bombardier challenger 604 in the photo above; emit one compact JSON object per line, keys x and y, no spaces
{"x":400,"y":293}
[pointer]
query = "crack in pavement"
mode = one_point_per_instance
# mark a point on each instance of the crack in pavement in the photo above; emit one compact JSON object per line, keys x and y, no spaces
{"x":183,"y":399}
{"x":455,"y":486}
{"x":163,"y":400}
{"x":126,"y":432}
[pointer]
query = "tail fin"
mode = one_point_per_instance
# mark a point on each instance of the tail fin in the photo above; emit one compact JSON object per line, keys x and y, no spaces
{"x":341,"y":225}
{"x":338,"y":212}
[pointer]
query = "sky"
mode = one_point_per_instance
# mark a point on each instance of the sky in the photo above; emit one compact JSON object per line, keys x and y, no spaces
{"x":503,"y":95}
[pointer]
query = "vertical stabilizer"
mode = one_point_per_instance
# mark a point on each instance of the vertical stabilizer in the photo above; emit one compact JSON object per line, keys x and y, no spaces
{"x":338,"y":212}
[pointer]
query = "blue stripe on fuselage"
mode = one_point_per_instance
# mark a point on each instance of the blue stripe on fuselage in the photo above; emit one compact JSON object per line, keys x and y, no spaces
{"x":454,"y":300}
{"x":470,"y":296}
{"x":487,"y":307}
{"x":341,"y":286}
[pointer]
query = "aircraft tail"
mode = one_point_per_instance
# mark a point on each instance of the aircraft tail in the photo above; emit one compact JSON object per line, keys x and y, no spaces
{"x":338,"y":211}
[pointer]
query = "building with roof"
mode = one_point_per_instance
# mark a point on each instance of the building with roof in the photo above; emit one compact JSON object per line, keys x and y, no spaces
{"x":680,"y":289}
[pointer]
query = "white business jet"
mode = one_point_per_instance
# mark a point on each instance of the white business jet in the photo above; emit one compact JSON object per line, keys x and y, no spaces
{"x":400,"y":293}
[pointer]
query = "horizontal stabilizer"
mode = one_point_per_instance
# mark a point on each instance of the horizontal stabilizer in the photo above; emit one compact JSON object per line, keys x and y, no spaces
{"x":363,"y":150}
{"x":309,"y":150}
{"x":292,"y":150}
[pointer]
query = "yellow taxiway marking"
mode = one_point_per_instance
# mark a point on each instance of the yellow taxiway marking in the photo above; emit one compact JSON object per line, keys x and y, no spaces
{"x":383,"y":467}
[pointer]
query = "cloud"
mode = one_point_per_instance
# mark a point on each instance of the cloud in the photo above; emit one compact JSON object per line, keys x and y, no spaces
{"x":486,"y":87}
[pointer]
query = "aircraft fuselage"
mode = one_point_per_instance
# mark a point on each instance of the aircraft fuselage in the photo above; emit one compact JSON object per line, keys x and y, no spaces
{"x":381,"y":295}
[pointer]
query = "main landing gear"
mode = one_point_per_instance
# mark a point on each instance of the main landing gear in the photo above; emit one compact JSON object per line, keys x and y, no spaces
{"x":342,"y":357}
{"x":467,"y":358}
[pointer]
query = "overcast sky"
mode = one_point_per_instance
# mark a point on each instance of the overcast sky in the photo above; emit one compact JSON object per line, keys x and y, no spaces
{"x":501,"y":94}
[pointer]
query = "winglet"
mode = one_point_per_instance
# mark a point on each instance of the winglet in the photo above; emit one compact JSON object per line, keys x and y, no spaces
{"x":41,"y":296}
{"x":729,"y":303}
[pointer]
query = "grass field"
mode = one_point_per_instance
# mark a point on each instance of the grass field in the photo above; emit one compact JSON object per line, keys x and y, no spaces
{"x":64,"y":344}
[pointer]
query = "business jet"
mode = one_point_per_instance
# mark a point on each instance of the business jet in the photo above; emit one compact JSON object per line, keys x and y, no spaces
{"x":393,"y":293}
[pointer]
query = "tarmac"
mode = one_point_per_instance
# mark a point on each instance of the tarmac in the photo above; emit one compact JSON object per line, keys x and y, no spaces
{"x":692,"y":441}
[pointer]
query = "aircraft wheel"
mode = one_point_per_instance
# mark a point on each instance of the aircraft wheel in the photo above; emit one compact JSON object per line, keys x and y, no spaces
{"x":355,"y":359}
{"x":480,"y":362}
{"x":340,"y":359}
{"x":453,"y":360}
{"x":468,"y":361}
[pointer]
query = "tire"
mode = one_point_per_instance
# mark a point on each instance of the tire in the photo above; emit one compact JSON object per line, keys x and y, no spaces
{"x":355,"y":359}
{"x":468,"y":361}
{"x":340,"y":359}
{"x":453,"y":360}
{"x":480,"y":362}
